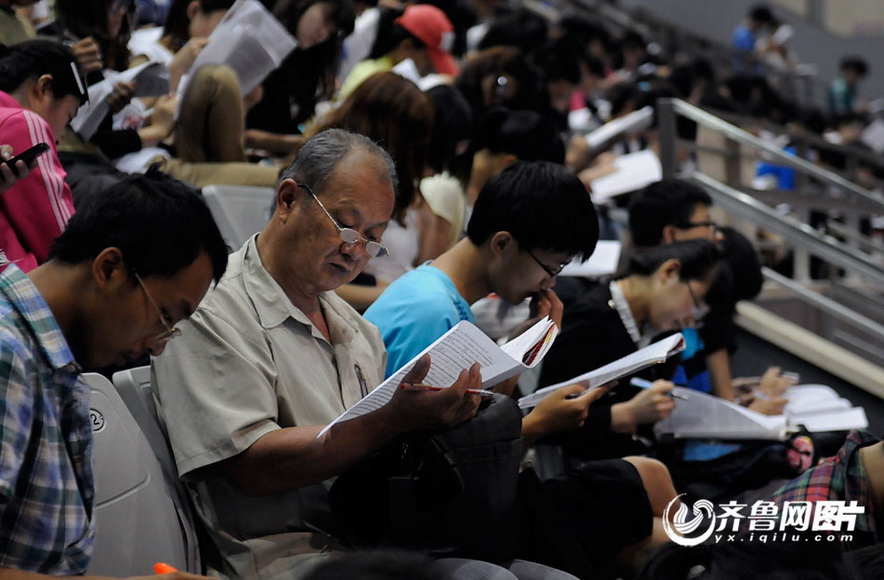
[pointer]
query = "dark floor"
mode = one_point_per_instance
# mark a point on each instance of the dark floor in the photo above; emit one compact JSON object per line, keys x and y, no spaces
{"x":754,"y":355}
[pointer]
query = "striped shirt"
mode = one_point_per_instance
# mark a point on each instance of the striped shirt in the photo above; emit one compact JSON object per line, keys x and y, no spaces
{"x":35,"y":210}
{"x":46,"y":482}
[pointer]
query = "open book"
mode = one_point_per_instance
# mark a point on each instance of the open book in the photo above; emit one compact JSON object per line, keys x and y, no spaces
{"x":250,"y":41}
{"x":457,"y":350}
{"x":820,"y":408}
{"x":706,"y":416}
{"x":151,"y":80}
{"x":632,"y":171}
{"x":645,"y":357}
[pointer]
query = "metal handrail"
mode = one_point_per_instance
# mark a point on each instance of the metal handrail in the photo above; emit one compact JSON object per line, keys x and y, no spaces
{"x":825,"y":303}
{"x":864,"y":241}
{"x":667,"y":110}
{"x":802,"y":235}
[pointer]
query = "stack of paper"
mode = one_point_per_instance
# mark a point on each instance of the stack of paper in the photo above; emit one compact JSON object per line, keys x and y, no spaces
{"x":819,"y":408}
{"x":250,"y":41}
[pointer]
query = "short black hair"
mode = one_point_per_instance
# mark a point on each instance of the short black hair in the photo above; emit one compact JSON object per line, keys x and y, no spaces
{"x":699,"y":259}
{"x":542,"y":204}
{"x":528,"y":135}
{"x":856,"y":64}
{"x":452,"y":124}
{"x":33,"y":58}
{"x":761,"y":13}
{"x":669,"y":202}
{"x":159,"y":223}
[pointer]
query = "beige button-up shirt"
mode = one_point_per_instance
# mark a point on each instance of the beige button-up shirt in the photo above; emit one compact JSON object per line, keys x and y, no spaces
{"x":249,"y":362}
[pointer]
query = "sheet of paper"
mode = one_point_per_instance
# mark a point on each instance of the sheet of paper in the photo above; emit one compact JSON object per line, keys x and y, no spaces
{"x":651,"y":354}
{"x":633,"y":171}
{"x":701,"y":415}
{"x":152,"y":79}
{"x":456,"y":350}
{"x":250,"y":41}
{"x":604,"y":261}
{"x":841,"y":420}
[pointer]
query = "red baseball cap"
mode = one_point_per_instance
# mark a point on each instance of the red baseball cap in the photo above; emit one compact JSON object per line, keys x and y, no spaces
{"x":432,"y":27}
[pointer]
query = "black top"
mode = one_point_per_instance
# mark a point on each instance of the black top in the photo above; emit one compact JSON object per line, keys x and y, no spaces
{"x":593,"y":335}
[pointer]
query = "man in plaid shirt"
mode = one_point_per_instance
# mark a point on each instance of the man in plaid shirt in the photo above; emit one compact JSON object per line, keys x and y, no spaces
{"x":130,"y":264}
{"x":855,"y":473}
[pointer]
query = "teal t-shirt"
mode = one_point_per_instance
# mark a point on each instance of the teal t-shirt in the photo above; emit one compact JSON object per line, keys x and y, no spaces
{"x":414,"y":311}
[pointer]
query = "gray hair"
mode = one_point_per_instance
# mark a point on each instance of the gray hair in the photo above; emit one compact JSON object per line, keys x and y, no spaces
{"x":320,"y":156}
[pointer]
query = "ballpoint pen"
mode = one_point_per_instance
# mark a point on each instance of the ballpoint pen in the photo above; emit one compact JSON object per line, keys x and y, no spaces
{"x":645,"y":384}
{"x":423,"y":387}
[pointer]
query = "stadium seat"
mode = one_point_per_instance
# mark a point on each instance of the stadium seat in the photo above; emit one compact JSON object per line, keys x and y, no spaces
{"x":139,"y":517}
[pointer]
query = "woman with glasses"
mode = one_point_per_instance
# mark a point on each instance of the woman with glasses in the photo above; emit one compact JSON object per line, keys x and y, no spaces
{"x":40,"y":91}
{"x":662,"y":291}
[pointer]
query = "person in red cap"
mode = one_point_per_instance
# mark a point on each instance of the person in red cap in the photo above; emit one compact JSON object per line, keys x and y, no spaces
{"x":423,"y":34}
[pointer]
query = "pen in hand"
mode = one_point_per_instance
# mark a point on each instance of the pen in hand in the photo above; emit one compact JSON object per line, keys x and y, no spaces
{"x":645,"y":384}
{"x":423,"y":387}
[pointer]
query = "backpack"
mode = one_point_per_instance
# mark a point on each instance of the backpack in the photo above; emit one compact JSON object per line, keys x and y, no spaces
{"x":451,"y":493}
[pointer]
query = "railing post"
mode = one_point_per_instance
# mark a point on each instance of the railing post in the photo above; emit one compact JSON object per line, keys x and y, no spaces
{"x":666,"y":128}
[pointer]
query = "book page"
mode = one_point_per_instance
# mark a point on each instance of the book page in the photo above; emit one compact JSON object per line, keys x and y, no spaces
{"x":702,"y":415}
{"x":604,"y":261}
{"x":633,"y":171}
{"x":530,"y":346}
{"x":455,"y":351}
{"x":153,"y":76}
{"x":654,"y":353}
{"x":250,"y":41}
{"x":841,"y":420}
{"x":811,"y":399}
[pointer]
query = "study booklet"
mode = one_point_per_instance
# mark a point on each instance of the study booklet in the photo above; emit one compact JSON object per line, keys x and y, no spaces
{"x":457,"y":350}
{"x":820,"y":408}
{"x":705,"y":416}
{"x":632,"y":171}
{"x":250,"y":40}
{"x":654,"y":353}
{"x":151,"y":80}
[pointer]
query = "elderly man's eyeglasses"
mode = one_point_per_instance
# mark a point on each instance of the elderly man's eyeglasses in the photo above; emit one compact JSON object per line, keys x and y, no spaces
{"x":549,"y":271}
{"x":349,"y":235}
{"x":170,"y":332}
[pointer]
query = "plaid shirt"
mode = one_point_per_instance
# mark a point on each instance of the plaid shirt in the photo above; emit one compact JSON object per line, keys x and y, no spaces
{"x":841,"y":477}
{"x":46,"y":483}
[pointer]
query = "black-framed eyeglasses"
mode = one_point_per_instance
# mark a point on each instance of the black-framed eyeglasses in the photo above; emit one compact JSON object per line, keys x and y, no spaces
{"x":700,"y":306}
{"x":706,"y":224}
{"x":349,"y":235}
{"x":549,"y":271}
{"x":170,"y":332}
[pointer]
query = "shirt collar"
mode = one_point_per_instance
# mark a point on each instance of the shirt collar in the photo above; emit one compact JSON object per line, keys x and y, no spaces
{"x":271,"y":303}
{"x":22,"y":296}
{"x":622,"y":308}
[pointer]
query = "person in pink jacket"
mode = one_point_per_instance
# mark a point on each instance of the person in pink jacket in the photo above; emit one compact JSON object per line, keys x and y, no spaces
{"x":40,"y":92}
